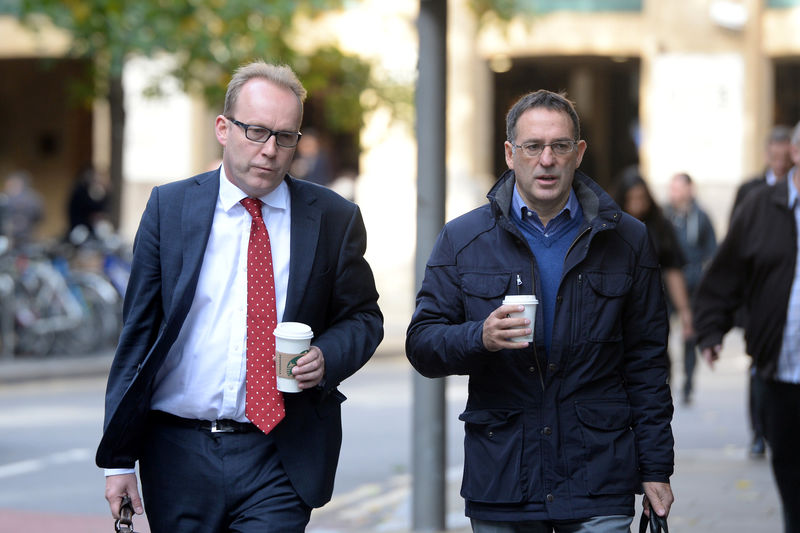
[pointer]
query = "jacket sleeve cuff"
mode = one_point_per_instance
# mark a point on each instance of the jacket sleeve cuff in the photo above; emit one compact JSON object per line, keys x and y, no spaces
{"x":708,"y":341}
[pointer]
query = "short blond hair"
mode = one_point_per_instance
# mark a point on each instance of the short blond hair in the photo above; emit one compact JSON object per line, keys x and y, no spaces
{"x":281,"y":75}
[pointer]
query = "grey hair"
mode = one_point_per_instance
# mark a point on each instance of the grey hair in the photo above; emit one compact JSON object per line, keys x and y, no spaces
{"x":545,"y":99}
{"x":281,"y":75}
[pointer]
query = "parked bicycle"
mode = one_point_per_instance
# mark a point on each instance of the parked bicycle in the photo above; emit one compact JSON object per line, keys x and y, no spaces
{"x":56,"y":309}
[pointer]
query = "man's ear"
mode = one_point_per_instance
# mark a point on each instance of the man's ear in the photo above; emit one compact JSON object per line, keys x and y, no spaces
{"x":581,"y":150}
{"x":509,"y":149}
{"x":221,"y":130}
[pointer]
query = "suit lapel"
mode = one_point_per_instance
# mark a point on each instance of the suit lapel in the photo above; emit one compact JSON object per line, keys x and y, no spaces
{"x":196,"y":217}
{"x":305,"y":228}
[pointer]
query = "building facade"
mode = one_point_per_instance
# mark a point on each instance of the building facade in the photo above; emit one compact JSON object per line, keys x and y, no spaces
{"x":687,"y":86}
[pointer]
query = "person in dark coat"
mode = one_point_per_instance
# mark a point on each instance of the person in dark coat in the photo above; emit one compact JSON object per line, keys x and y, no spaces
{"x":756,"y":267}
{"x":88,"y":201}
{"x":635,"y":197}
{"x":779,"y":162}
{"x":697,"y":239}
{"x":563,"y":431}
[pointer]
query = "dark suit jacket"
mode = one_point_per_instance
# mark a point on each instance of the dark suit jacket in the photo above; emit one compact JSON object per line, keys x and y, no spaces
{"x":746,"y":188}
{"x":331,"y":288}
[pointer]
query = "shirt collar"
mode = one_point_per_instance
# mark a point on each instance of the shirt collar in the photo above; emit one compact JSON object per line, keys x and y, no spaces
{"x":770,"y":178}
{"x":792,"y":188}
{"x":521,"y":209}
{"x":230,"y":195}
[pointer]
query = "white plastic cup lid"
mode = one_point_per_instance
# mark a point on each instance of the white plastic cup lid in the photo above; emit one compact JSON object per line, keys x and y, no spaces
{"x":294,"y":331}
{"x":520,"y":299}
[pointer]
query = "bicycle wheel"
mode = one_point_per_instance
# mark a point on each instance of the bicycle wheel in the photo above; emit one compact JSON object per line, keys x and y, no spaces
{"x":28,"y":310}
{"x":99,"y":325}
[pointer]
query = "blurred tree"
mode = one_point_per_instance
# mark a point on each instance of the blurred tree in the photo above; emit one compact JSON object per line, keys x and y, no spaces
{"x":497,"y":9}
{"x":208,"y":39}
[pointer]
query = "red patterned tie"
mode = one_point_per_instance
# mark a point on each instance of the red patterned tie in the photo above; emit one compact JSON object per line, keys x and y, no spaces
{"x":264,"y":404}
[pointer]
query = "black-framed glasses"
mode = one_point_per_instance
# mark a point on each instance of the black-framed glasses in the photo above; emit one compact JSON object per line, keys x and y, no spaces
{"x":260,"y":134}
{"x":558,"y":147}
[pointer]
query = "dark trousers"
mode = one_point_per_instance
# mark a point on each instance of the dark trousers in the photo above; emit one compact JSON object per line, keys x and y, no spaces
{"x":597,"y":524}
{"x":689,"y":363}
{"x":755,"y":401}
{"x":202,"y":482}
{"x":781,"y":409}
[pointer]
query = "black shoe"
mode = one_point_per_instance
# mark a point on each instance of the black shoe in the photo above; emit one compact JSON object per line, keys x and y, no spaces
{"x":758,"y":448}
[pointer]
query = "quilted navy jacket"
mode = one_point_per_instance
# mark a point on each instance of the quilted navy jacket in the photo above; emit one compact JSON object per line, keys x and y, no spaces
{"x":571,"y":434}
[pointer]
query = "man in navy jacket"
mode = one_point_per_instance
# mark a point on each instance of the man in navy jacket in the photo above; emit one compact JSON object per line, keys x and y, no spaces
{"x":561,"y":432}
{"x":176,"y":392}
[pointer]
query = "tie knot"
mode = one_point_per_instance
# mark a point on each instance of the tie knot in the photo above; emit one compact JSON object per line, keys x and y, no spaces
{"x":253,"y":206}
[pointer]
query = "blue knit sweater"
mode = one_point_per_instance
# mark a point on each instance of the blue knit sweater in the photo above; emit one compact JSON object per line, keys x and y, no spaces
{"x":550,"y":249}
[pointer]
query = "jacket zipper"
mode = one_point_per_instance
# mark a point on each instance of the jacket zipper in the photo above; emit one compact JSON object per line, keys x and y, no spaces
{"x":535,"y":354}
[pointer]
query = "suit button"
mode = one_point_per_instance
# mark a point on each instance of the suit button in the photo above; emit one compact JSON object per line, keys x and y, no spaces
{"x":531,"y":369}
{"x":550,"y":498}
{"x":547,"y":431}
{"x":491,"y":434}
{"x":552,"y":367}
{"x":559,"y":298}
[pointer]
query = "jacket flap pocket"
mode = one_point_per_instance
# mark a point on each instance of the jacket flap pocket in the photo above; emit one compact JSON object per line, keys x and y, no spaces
{"x":602,"y":415}
{"x":611,"y":284}
{"x":485,"y":284}
{"x":487,"y":417}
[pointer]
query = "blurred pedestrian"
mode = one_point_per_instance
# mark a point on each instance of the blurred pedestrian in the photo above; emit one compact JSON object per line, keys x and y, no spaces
{"x":779,"y":162}
{"x":758,"y":266}
{"x":88,"y":201}
{"x":561,"y":432}
{"x":312,"y":162}
{"x":698,"y":242}
{"x":219,"y":259}
{"x":634,"y":196}
{"x":23,"y":211}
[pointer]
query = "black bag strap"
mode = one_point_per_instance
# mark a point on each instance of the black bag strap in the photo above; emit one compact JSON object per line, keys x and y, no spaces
{"x":657,"y":523}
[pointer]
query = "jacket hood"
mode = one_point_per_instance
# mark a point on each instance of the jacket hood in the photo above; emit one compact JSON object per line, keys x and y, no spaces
{"x":595,"y":202}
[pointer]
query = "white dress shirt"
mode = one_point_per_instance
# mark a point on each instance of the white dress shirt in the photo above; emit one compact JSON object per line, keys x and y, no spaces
{"x":203,"y":375}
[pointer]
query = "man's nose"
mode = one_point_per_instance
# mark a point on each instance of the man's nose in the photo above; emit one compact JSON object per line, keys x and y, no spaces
{"x":270,"y":147}
{"x":547,"y":158}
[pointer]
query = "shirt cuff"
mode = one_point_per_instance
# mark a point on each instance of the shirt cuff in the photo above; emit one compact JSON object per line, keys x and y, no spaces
{"x":119,"y":471}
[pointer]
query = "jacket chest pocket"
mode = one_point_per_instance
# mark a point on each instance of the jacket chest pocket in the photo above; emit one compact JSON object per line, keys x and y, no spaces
{"x":483,"y":292}
{"x":603,"y":300}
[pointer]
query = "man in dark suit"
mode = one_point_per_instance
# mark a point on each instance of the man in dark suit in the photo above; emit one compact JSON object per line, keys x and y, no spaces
{"x":178,"y":394}
{"x":779,"y":161}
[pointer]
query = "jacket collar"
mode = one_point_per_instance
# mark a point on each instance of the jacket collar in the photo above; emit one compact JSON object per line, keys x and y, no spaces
{"x":597,"y":205}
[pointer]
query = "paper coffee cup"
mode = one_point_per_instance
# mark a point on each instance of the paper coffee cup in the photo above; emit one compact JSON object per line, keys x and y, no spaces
{"x":292,"y":341}
{"x":530,"y":302}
